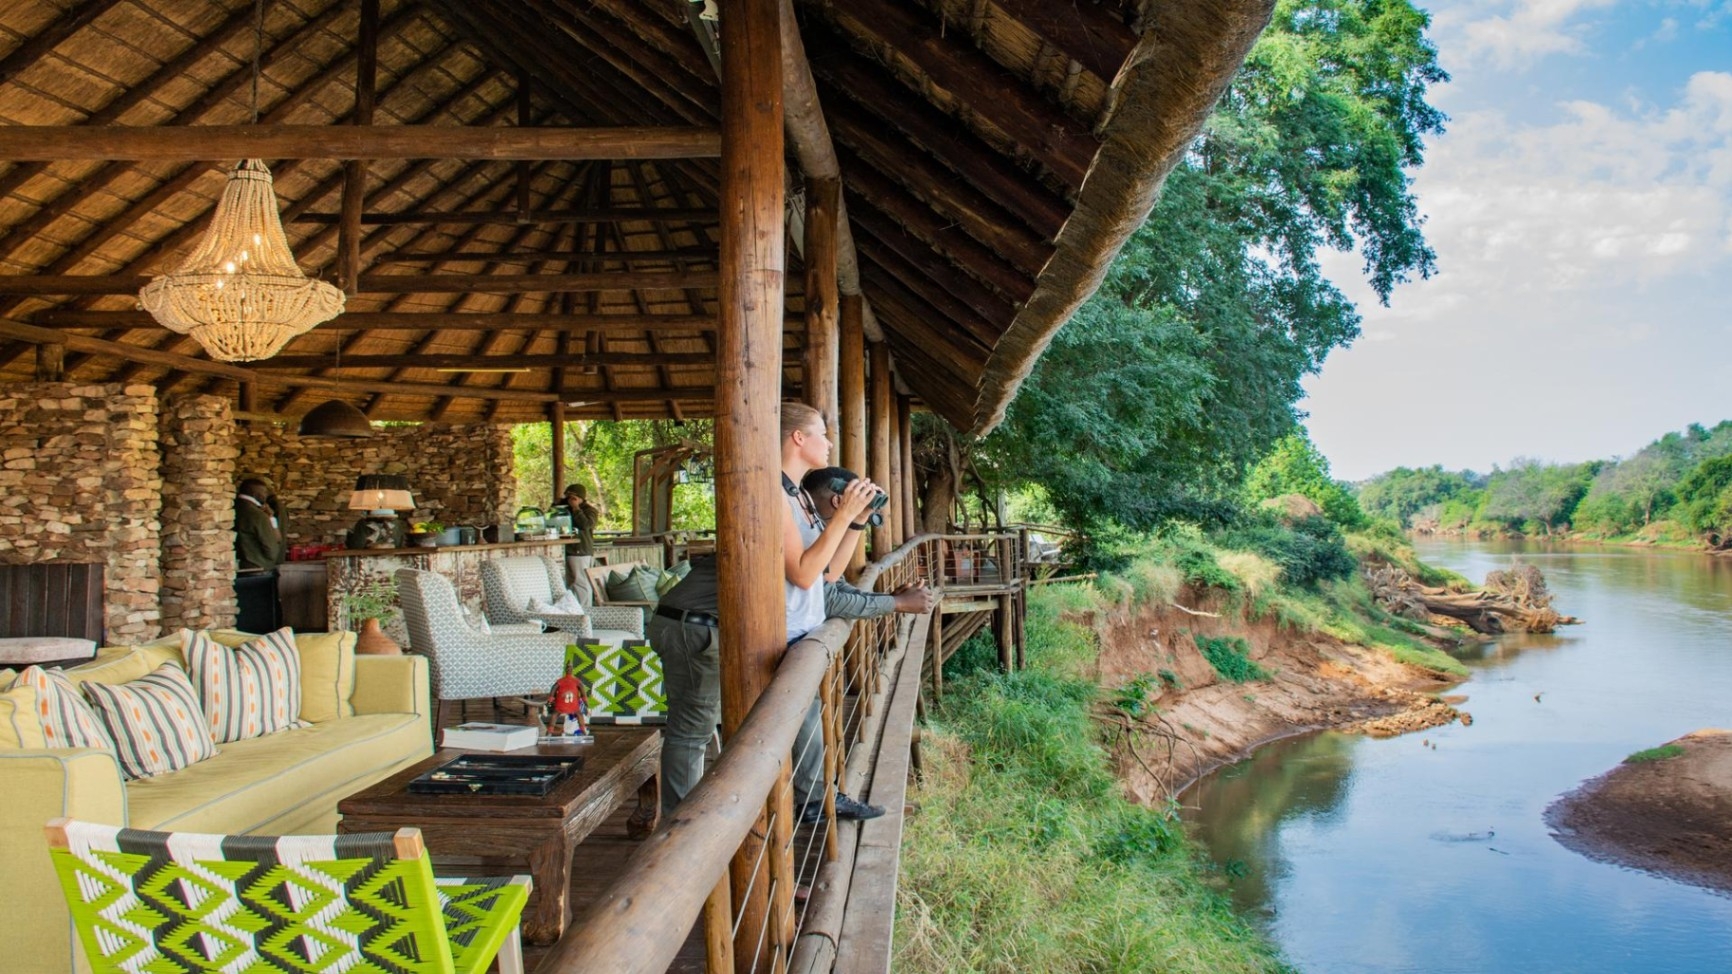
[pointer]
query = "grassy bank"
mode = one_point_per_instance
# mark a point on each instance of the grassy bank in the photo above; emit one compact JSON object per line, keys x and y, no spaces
{"x":1025,"y":857}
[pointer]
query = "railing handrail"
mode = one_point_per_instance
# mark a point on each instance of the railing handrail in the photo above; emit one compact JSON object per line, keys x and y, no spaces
{"x":638,"y":922}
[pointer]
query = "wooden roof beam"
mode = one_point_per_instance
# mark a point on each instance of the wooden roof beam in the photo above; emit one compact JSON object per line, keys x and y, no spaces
{"x":59,"y":29}
{"x":1085,"y":32}
{"x":427,"y":321}
{"x":193,"y":143}
{"x":512,"y":216}
{"x":529,"y":256}
{"x":996,"y":94}
{"x":482,"y":361}
{"x":45,"y":284}
{"x":959,"y":296}
{"x":872,"y":190}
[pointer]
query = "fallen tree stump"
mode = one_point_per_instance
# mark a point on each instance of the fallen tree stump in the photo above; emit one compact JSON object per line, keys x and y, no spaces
{"x":1514,"y":600}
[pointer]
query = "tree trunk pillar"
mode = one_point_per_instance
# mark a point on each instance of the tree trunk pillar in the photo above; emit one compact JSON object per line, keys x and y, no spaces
{"x":883,"y":536}
{"x":905,"y":483}
{"x":823,"y":200}
{"x":853,"y":400}
{"x":748,"y":394}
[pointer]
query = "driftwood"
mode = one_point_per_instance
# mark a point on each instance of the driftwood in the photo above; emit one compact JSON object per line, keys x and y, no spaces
{"x":1513,"y":600}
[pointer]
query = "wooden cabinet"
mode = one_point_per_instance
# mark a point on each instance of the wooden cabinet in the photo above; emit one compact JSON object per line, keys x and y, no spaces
{"x":302,"y":589}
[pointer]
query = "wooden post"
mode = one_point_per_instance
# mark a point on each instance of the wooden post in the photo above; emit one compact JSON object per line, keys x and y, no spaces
{"x":883,"y":536}
{"x":893,"y":507}
{"x":823,"y":200}
{"x":852,"y":395}
{"x":556,"y":424}
{"x":355,"y":170}
{"x":748,"y":391}
{"x":905,"y":423}
{"x":50,"y":362}
{"x":718,"y":920}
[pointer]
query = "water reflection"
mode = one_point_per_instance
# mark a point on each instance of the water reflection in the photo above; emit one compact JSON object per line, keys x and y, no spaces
{"x":1428,"y":852}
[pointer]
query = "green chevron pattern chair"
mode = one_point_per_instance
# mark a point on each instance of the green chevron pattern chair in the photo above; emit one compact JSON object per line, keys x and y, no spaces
{"x":185,"y":903}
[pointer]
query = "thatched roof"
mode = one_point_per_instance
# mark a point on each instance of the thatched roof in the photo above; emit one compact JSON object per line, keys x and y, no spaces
{"x":994,"y":156}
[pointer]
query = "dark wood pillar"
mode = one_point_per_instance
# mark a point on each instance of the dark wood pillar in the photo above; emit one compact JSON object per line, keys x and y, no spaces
{"x":852,"y":396}
{"x":905,"y":423}
{"x":823,"y":200}
{"x":355,"y":170}
{"x":748,"y":393}
{"x":50,"y":362}
{"x":883,"y":537}
{"x":556,"y":426}
{"x":893,"y":508}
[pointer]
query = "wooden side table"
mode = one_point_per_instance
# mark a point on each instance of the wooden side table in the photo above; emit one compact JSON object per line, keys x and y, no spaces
{"x":539,"y":832}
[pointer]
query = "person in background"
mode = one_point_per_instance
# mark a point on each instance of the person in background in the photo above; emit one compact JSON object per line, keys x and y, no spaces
{"x":259,"y":527}
{"x":842,"y":600}
{"x":580,"y":554}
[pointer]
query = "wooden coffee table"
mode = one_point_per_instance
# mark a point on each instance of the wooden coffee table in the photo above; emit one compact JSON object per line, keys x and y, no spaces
{"x":541,"y":832}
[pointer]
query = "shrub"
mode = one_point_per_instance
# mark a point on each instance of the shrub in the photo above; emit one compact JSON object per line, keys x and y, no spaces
{"x":1660,"y":753}
{"x":1230,"y":656}
{"x":1309,"y":552}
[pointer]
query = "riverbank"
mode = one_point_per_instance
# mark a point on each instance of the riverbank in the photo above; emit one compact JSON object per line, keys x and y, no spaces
{"x":1666,"y":811}
{"x":1315,"y":681}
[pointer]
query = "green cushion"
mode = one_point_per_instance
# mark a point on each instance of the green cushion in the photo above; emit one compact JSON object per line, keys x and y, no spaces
{"x":681,"y":569}
{"x":639,"y":586}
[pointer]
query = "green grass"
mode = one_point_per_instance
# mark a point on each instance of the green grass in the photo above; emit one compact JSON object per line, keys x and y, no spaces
{"x":1660,"y":753}
{"x":1024,"y":856}
{"x":1230,"y":658}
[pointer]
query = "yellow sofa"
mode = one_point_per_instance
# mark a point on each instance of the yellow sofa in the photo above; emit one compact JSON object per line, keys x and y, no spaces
{"x":369,"y":718}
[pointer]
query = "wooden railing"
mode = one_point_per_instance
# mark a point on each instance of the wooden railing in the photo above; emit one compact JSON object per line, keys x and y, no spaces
{"x":682,"y":872}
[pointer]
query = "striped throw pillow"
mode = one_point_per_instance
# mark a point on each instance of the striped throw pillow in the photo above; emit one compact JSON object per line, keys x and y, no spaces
{"x":67,"y":721}
{"x":248,"y":690}
{"x":155,"y":722}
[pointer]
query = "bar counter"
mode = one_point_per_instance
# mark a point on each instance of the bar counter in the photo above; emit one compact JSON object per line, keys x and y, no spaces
{"x":351,"y":570}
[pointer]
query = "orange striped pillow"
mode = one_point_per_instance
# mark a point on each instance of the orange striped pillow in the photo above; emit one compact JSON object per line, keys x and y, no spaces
{"x":67,"y":721}
{"x":155,"y":722}
{"x":248,"y":690}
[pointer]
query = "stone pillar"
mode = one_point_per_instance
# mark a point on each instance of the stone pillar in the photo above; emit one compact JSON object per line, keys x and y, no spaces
{"x":198,"y":490}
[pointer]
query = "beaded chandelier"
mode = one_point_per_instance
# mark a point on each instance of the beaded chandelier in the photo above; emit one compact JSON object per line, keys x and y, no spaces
{"x":240,"y":294}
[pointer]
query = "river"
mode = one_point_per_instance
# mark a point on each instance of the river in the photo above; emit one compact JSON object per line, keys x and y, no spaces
{"x":1428,"y":853}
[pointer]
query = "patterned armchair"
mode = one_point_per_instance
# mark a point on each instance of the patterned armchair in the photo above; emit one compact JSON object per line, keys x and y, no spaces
{"x":299,"y":904}
{"x":467,"y":664}
{"x":509,"y":584}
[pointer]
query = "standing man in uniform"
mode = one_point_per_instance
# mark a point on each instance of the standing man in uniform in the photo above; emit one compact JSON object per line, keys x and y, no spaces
{"x":259,"y":542}
{"x":580,"y":554}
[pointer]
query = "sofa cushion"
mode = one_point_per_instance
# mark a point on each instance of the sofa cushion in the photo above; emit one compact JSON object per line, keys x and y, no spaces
{"x":155,"y":722}
{"x":271,"y":784}
{"x":123,"y":664}
{"x":20,"y":727}
{"x":639,"y":585}
{"x":249,"y":690}
{"x":327,"y":674}
{"x":66,"y":719}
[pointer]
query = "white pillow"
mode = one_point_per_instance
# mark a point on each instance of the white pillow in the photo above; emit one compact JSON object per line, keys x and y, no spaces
{"x":568,"y":605}
{"x":477,"y":621}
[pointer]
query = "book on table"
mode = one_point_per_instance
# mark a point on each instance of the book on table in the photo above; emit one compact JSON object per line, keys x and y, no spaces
{"x":478,"y":736}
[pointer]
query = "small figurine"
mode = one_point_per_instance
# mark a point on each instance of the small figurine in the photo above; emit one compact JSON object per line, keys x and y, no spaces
{"x":570,"y":707}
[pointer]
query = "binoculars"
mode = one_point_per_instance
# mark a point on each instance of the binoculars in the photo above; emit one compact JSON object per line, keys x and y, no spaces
{"x":876,"y":519}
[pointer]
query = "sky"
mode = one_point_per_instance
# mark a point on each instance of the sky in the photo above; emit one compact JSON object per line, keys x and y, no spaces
{"x":1580,"y":204}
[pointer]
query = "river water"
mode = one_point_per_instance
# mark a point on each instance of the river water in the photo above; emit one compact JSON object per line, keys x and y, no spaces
{"x":1428,"y":853}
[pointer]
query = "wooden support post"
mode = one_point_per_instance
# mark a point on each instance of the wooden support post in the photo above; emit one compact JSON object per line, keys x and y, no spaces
{"x":780,"y":809}
{"x":718,"y":920}
{"x":51,"y":362}
{"x":937,"y":630}
{"x":749,"y":380}
{"x":832,"y":706}
{"x":355,"y":170}
{"x":905,"y":423}
{"x":823,"y":200}
{"x":893,"y":508}
{"x":883,"y":536}
{"x":556,"y":425}
{"x":248,"y":398}
{"x":852,"y":396}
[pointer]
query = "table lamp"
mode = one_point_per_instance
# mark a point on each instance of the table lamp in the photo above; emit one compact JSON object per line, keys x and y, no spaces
{"x":381,"y":496}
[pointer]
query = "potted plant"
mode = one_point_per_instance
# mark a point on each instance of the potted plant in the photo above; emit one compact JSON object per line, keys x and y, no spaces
{"x":424,"y":534}
{"x":373,"y":600}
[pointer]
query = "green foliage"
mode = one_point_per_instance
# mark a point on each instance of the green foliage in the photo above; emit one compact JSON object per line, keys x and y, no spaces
{"x":1295,"y":466}
{"x":1403,"y":493}
{"x":374,"y":599}
{"x":599,"y":454}
{"x":1229,"y":656}
{"x":1132,"y":699}
{"x":1660,"y":753}
{"x":1531,"y":492}
{"x":1184,"y":368}
{"x":1312,"y":550}
{"x":1705,"y":496}
{"x":1026,"y":856}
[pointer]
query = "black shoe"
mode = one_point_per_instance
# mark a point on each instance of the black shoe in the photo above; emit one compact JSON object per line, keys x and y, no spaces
{"x":847,"y":810}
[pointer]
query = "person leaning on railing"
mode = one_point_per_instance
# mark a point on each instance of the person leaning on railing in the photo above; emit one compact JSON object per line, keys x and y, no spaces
{"x":684,"y":632}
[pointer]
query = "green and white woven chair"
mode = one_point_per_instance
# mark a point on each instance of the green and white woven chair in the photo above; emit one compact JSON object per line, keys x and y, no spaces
{"x":185,"y":903}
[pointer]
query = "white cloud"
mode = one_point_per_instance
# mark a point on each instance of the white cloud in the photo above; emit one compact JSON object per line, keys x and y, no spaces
{"x":1510,"y":33}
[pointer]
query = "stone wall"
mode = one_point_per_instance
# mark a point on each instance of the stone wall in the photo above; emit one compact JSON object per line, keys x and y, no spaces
{"x":198,"y":513}
{"x":80,"y":481}
{"x":457,"y":474}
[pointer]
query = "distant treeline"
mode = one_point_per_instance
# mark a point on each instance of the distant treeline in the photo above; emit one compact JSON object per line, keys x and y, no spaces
{"x":1677,"y":489}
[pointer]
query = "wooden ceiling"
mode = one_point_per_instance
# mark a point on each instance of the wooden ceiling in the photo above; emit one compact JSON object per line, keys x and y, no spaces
{"x":993,"y":155}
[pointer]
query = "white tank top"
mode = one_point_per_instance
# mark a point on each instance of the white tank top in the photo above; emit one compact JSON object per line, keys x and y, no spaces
{"x":805,"y":605}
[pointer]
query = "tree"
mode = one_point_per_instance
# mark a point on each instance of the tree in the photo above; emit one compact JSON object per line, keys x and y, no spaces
{"x":1402,"y":493}
{"x":1296,"y":467}
{"x":1705,"y":496}
{"x":1185,"y":367}
{"x":1532,"y":491}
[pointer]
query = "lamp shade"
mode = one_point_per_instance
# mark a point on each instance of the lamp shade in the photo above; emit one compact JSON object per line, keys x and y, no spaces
{"x":335,"y":419}
{"x":381,"y":492}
